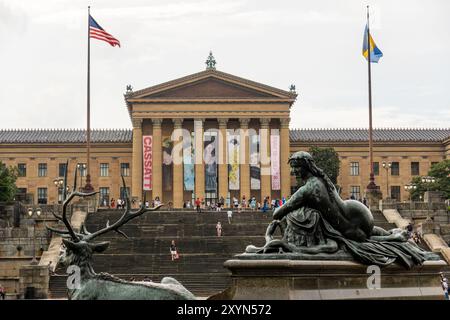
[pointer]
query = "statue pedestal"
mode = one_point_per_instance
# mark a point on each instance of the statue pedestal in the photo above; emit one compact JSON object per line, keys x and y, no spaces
{"x":373,"y":198}
{"x":287,"y":279}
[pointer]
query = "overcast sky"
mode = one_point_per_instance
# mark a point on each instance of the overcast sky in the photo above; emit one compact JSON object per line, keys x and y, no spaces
{"x":315,"y":45}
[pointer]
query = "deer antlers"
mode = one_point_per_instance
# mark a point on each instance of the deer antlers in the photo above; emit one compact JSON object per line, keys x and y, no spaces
{"x":75,"y":236}
{"x":86,"y":235}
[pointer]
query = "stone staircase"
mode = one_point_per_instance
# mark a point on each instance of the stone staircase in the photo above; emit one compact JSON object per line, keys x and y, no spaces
{"x":380,"y":220}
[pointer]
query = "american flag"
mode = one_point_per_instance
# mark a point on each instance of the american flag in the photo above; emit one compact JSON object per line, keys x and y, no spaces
{"x":97,"y":32}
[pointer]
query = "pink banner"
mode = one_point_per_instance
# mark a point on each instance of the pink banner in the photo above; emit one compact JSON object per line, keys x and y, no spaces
{"x":275,"y":161}
{"x":147,"y":173}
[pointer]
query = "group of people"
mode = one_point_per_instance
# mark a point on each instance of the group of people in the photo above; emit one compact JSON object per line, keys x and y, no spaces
{"x":120,"y":203}
{"x":444,"y":284}
{"x":200,"y":204}
{"x":239,"y":205}
{"x":413,"y":234}
{"x":113,"y":204}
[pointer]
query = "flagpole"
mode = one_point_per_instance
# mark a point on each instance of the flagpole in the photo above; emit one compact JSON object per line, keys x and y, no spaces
{"x":88,"y":186}
{"x":370,"y":97}
{"x":372,"y":177}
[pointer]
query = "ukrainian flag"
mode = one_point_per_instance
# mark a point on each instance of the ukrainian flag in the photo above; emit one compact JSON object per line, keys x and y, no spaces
{"x":375,"y":53}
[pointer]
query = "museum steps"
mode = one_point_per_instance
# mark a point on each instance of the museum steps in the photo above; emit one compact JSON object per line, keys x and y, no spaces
{"x":202,"y":254}
{"x":380,"y":221}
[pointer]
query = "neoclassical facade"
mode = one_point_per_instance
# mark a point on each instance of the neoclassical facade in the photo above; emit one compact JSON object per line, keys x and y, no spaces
{"x":211,"y":135}
{"x":211,"y":105}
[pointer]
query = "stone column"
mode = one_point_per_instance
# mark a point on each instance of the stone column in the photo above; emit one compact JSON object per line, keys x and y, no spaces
{"x":157,"y":159}
{"x":136,"y":169}
{"x":222,"y":159}
{"x":244,"y":159}
{"x":264,"y":133}
{"x":199,"y":165}
{"x":177,"y":164}
{"x":284,"y":157}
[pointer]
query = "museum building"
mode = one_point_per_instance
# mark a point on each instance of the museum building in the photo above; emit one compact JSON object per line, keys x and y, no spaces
{"x":211,"y":135}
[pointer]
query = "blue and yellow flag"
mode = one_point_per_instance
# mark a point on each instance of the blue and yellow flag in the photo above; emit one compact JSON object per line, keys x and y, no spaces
{"x":375,"y":53}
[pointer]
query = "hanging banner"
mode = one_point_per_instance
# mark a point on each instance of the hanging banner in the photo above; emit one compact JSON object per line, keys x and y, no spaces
{"x":209,"y":156}
{"x":233,"y":161}
{"x":188,"y":163}
{"x":167,"y":147}
{"x":275,"y":161}
{"x":255,"y":169}
{"x":147,"y":152}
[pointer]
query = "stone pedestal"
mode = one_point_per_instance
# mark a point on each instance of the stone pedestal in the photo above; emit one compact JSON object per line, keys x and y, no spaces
{"x":433,"y":196}
{"x":34,"y":281}
{"x":288,"y":279}
{"x":373,"y":198}
{"x":427,"y":226}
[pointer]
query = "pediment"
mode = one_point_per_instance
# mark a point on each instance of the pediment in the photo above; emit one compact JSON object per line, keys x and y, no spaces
{"x":211,"y":88}
{"x":209,"y":85}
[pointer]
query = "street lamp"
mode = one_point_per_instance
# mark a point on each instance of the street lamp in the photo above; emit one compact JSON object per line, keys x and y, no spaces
{"x":427,"y":180}
{"x":410,"y":187}
{"x":32,"y":212}
{"x":59,"y":182}
{"x":82,"y":169}
{"x":386,"y":167}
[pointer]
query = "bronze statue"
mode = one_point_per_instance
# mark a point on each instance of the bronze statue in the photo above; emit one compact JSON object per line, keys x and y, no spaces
{"x":103,"y":286}
{"x":316,"y":220}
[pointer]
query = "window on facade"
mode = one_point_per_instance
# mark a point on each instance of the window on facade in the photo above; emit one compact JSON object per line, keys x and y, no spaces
{"x":355,"y":192}
{"x":104,"y":169}
{"x":104,"y":196}
{"x":376,"y":168}
{"x":42,"y":170}
{"x":62,"y":169}
{"x":395,"y":169}
{"x":354,"y":168}
{"x":395,"y":192}
{"x":415,"y":169}
{"x":22,"y":167}
{"x":42,"y":195}
{"x":21,"y":194}
{"x":122,"y":192}
{"x":125,"y":169}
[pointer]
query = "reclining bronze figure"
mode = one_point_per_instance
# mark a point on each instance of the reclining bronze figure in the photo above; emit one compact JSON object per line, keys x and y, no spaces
{"x":316,"y":220}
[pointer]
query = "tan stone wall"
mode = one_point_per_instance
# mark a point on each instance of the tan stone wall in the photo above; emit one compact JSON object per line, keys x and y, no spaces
{"x":53,"y":155}
{"x":404,"y":153}
{"x":447,"y":148}
{"x":34,"y":276}
{"x":115,"y":154}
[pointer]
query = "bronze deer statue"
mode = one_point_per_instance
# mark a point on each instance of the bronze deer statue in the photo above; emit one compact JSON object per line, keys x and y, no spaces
{"x":103,"y":286}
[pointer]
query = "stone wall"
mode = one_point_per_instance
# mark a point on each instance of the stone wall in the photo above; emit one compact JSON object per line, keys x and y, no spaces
{"x":9,"y":274}
{"x":11,"y":238}
{"x":33,"y":282}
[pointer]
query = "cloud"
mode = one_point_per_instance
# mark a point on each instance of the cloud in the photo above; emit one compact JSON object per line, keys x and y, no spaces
{"x":315,"y":45}
{"x":12,"y":20}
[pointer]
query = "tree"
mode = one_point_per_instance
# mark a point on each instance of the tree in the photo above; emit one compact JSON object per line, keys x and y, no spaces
{"x":8,"y":177}
{"x":328,"y":160}
{"x":441,"y":172}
